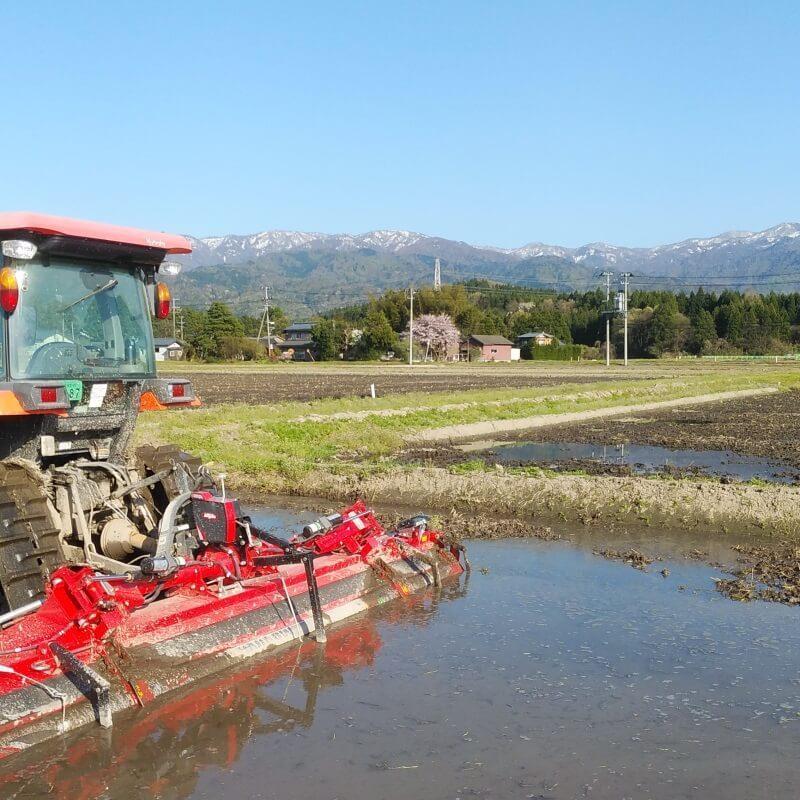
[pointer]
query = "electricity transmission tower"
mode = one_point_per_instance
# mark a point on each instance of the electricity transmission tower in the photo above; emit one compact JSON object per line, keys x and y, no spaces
{"x":437,"y":275}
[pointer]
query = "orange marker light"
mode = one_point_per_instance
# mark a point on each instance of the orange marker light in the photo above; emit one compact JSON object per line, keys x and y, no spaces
{"x":163,"y":300}
{"x":9,"y":290}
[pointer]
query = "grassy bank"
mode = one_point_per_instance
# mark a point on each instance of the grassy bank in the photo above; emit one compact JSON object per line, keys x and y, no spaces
{"x":275,"y":445}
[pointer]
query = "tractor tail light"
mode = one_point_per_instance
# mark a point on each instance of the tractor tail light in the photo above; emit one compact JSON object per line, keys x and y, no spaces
{"x":163,"y":301}
{"x":48,"y":394}
{"x":9,"y":290}
{"x":177,"y":389}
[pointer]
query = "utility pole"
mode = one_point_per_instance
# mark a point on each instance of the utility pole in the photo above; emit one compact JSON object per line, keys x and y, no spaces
{"x":625,"y":277}
{"x":174,"y":321}
{"x":411,"y":327}
{"x":265,"y":317}
{"x":181,"y":324}
{"x":437,"y":275}
{"x":608,"y":276}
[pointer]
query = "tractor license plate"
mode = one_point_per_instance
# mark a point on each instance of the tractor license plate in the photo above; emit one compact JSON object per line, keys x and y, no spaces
{"x":74,"y":390}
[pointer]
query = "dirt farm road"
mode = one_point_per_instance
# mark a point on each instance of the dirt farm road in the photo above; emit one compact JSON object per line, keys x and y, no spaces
{"x":489,"y":427}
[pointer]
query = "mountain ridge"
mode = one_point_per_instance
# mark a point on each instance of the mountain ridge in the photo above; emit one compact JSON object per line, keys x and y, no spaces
{"x":310,"y":272}
{"x":237,"y":247}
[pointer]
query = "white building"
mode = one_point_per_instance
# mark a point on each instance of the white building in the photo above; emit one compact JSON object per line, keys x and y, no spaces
{"x":168,"y":349}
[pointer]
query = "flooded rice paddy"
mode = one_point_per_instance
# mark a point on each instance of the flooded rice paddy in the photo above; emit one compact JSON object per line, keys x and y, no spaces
{"x":642,"y":459}
{"x":547,"y":673}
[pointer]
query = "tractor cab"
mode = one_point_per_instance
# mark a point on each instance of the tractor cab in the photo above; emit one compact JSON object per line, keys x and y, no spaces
{"x":79,"y":320}
{"x":76,"y":340}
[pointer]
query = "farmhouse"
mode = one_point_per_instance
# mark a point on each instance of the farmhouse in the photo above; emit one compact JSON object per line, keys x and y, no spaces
{"x":297,"y":343}
{"x":492,"y":348}
{"x":274,"y":341}
{"x":168,"y":349}
{"x":539,"y":338}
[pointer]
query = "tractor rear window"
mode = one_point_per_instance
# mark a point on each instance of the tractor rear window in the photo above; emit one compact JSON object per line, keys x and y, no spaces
{"x":80,"y":321}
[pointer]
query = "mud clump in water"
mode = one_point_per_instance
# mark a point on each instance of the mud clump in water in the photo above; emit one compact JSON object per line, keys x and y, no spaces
{"x":741,"y":589}
{"x":769,"y":573}
{"x":632,"y":557}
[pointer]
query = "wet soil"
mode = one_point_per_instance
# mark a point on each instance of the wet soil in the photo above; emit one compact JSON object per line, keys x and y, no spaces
{"x":760,"y":570}
{"x":728,"y":468}
{"x":767,"y":426}
{"x":751,"y":568}
{"x":274,"y":386}
{"x":754,"y":569}
{"x":736,"y":440}
{"x":549,"y":673}
{"x":647,"y":460}
{"x":765,"y":573}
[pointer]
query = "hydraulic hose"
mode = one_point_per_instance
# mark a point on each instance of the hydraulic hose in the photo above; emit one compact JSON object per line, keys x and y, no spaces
{"x":166,"y":528}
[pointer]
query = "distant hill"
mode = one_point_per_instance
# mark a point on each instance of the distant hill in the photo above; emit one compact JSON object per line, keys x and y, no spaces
{"x":315,"y":271}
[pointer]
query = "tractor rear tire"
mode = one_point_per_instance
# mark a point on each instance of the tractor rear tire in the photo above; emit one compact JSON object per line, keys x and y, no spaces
{"x":151,"y":460}
{"x":30,"y":548}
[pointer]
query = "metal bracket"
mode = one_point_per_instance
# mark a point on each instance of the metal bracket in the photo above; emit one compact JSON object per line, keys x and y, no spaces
{"x":95,"y":687}
{"x":306,"y":558}
{"x":313,"y":596}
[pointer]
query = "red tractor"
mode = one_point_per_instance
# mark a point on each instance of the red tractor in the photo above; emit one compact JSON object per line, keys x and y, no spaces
{"x":124,"y":574}
{"x":76,"y":366}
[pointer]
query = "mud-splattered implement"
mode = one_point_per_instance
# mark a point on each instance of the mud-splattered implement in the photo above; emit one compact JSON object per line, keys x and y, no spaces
{"x":101,"y":643}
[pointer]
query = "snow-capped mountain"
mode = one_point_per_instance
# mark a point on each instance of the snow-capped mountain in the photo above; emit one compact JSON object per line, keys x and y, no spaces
{"x":312,"y":271}
{"x":236,"y":249}
{"x":715,"y":253}
{"x":602,"y":255}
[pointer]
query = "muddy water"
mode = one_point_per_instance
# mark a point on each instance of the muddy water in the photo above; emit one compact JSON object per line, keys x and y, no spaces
{"x":551,"y":673}
{"x":643,"y":459}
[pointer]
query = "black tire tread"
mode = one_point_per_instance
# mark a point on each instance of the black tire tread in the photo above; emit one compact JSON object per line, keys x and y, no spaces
{"x":30,"y":548}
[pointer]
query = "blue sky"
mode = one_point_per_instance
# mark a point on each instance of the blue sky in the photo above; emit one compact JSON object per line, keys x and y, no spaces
{"x":497,"y":122}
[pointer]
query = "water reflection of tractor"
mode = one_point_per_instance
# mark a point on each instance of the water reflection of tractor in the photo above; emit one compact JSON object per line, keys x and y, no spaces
{"x":162,"y":753}
{"x":112,"y":562}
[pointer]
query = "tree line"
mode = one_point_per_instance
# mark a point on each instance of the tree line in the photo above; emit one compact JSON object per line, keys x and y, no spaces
{"x":217,"y":333}
{"x":660,"y":322}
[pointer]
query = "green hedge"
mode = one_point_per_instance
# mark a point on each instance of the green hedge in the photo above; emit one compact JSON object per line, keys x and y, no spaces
{"x":552,"y":352}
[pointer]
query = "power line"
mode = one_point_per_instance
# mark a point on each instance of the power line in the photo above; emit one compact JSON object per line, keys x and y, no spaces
{"x":361,"y":295}
{"x":723,"y":285}
{"x":722,"y":275}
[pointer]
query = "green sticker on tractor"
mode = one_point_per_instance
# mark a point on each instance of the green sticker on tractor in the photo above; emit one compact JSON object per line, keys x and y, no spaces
{"x":74,"y":391}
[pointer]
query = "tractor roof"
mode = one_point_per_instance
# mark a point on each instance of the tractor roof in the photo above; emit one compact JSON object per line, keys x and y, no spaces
{"x":47,"y":225}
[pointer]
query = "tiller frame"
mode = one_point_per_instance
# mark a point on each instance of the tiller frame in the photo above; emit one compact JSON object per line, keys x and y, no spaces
{"x":100,"y":643}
